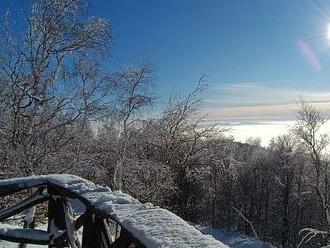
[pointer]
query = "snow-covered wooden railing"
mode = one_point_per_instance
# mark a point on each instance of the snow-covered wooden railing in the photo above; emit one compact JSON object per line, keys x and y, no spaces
{"x":142,"y":225}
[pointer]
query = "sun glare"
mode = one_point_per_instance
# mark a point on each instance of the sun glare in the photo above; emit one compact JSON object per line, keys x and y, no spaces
{"x":328,"y":32}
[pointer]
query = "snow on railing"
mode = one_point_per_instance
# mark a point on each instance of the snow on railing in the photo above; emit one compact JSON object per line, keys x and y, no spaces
{"x":106,"y":212}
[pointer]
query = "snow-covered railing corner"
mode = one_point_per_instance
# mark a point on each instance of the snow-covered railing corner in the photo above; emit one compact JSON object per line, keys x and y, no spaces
{"x":110,"y":219}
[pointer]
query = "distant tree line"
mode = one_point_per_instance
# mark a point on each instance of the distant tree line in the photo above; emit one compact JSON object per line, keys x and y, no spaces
{"x":63,"y":111}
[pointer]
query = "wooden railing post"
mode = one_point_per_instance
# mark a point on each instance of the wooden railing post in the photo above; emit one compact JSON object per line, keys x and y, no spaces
{"x":56,"y":219}
{"x":91,"y":232}
{"x":96,"y":232}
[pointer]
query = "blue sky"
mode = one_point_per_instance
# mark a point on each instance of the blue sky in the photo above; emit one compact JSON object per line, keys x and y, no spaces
{"x":254,"y":53}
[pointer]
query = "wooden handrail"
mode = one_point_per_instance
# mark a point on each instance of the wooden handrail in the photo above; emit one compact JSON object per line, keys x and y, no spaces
{"x":144,"y":225}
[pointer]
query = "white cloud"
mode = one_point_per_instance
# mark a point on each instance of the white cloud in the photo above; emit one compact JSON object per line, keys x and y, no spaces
{"x":265,"y":130}
{"x":253,"y":101}
{"x":243,"y":94}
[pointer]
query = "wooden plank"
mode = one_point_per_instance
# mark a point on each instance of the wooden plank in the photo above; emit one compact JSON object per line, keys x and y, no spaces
{"x":105,"y":233}
{"x":20,"y":235}
{"x":11,"y":187}
{"x":37,"y":198}
{"x":70,"y":227}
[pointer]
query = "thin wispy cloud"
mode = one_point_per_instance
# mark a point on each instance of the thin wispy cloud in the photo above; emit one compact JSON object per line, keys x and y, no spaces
{"x":256,"y":101}
{"x":251,"y":94}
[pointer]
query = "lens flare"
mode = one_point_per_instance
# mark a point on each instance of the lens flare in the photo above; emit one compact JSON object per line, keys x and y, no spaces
{"x":309,"y":55}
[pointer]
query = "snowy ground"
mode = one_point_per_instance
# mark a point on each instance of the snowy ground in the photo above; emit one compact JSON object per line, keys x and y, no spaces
{"x":233,"y":239}
{"x":5,"y":244}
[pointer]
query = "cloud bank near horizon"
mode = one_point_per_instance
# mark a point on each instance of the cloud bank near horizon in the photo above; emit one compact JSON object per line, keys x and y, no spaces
{"x":260,"y":102}
{"x":265,"y":130}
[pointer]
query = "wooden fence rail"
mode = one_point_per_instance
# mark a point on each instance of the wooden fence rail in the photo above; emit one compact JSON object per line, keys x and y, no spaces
{"x":110,"y":219}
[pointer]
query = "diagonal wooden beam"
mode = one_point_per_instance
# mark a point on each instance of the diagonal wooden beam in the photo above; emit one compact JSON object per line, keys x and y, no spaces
{"x":77,"y":224}
{"x":38,"y":197}
{"x":105,"y":234}
{"x":80,"y":221}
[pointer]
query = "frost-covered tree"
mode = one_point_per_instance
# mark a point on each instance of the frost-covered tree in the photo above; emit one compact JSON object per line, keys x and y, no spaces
{"x":133,"y":87}
{"x":307,"y":129}
{"x":288,"y":165}
{"x":51,"y":84}
{"x":51,"y":81}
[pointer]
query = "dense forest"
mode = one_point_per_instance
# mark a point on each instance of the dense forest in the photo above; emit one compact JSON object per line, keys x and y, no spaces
{"x":64,"y":111}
